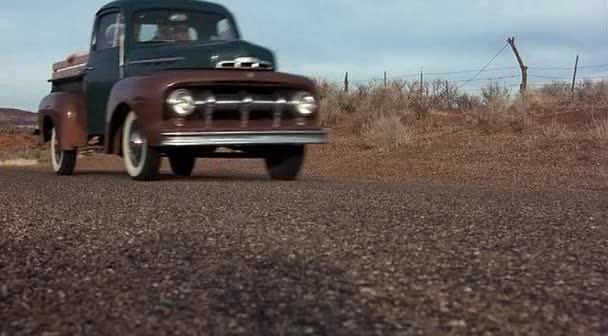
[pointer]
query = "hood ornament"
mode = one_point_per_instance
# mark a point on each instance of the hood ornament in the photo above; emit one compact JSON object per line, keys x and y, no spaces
{"x":245,"y":63}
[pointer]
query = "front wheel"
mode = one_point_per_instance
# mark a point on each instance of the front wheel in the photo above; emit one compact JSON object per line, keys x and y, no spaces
{"x":63,"y":161}
{"x":285,"y":162}
{"x":141,"y":160}
{"x":182,"y":165}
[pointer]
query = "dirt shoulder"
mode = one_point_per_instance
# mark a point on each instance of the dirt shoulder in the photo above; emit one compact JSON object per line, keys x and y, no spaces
{"x":444,"y":149}
{"x":469,"y":158}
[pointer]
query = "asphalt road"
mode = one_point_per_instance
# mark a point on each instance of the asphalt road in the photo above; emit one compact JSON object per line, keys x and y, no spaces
{"x":99,"y":254}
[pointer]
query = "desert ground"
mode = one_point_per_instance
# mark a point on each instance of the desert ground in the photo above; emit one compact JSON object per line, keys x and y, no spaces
{"x":422,"y":216}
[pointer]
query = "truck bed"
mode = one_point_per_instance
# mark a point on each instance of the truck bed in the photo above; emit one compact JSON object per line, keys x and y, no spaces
{"x":72,"y":66}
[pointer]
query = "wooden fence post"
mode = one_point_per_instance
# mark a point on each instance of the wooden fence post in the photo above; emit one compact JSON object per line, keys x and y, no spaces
{"x":421,"y":81}
{"x":346,"y":82}
{"x":574,"y":76}
{"x":524,"y":69}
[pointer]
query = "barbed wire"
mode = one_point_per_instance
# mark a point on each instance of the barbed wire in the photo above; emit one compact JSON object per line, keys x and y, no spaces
{"x":485,"y":67}
{"x":534,"y":72}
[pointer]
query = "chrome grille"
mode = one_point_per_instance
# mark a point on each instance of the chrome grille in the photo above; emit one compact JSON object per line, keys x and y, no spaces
{"x":244,"y":105}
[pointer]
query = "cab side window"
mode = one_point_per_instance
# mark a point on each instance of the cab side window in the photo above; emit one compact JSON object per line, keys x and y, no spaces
{"x":108,"y":32}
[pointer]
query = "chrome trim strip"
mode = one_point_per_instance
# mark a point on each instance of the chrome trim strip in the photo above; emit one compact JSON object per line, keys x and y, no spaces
{"x":209,"y":109}
{"x":239,"y":102}
{"x":71,"y":67}
{"x":243,"y":138}
{"x":156,"y":60}
{"x":277,"y":112}
{"x":245,"y":109}
{"x":121,"y":50}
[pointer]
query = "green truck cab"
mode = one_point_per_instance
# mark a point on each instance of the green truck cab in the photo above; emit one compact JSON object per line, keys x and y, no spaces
{"x":173,"y":78}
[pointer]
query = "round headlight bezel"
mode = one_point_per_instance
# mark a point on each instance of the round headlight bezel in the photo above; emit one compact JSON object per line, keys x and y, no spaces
{"x":181,"y":102}
{"x":305,"y":103}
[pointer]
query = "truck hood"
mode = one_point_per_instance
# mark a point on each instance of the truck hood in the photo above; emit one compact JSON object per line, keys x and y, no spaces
{"x":149,"y":59}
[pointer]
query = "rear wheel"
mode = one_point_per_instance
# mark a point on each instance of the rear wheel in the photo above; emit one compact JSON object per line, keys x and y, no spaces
{"x":141,"y":160}
{"x":63,"y":161}
{"x":182,"y":165}
{"x":285,"y":162}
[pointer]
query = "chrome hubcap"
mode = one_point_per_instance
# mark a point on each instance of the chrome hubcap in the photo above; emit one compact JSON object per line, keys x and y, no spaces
{"x":136,"y":142}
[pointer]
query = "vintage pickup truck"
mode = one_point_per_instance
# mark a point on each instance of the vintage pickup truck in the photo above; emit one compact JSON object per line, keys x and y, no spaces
{"x":173,"y":78}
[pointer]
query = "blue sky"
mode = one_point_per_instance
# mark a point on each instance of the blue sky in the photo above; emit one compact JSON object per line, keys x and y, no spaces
{"x":325,"y":38}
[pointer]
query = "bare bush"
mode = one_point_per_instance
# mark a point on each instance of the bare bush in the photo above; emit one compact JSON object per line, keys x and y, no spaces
{"x":386,"y":133}
{"x":467,"y":102}
{"x":592,"y":93}
{"x":587,"y":92}
{"x":555,"y":94}
{"x":369,"y":105}
{"x":554,"y":130}
{"x":334,"y":102}
{"x":498,"y":111}
{"x":599,"y":131}
{"x":494,"y":94}
{"x":492,"y":114}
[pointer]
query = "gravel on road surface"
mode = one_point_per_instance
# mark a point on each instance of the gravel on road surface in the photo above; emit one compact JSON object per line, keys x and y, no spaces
{"x":99,"y":254}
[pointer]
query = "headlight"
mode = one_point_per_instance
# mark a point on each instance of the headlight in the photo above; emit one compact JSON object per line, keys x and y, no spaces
{"x":181,"y":102}
{"x":305,"y":103}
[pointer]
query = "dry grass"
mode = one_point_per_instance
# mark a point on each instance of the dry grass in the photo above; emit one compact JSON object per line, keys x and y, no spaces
{"x":18,"y":163}
{"x":374,"y":109}
{"x":18,"y":146}
{"x":555,"y":130}
{"x":387,"y":132}
{"x":599,"y":131}
{"x":30,"y":154}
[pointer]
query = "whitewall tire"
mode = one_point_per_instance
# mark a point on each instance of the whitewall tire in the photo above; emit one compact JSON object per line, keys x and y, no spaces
{"x":141,"y":160}
{"x":63,"y":161}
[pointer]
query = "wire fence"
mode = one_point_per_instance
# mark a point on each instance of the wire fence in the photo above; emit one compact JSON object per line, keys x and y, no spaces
{"x":510,"y":77}
{"x":507,"y":76}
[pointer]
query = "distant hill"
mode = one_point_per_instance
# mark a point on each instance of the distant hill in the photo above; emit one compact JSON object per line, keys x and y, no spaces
{"x":17,"y":118}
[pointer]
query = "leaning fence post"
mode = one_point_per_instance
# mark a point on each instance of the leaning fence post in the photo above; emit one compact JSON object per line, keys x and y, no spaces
{"x":574,"y":76}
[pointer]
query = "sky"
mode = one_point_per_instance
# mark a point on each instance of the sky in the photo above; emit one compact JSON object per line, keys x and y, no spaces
{"x":326,"y":38}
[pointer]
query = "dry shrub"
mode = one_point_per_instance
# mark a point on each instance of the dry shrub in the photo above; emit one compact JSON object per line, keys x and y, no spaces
{"x":592,"y":93}
{"x":381,"y":101}
{"x":386,"y":133}
{"x":554,"y":130}
{"x":492,"y":114}
{"x":587,"y":92}
{"x":494,"y":93}
{"x":554,"y":94}
{"x":497,"y":111}
{"x":331,"y":107}
{"x":599,"y":131}
{"x":408,"y":100}
{"x":467,"y":102}
{"x":531,"y":102}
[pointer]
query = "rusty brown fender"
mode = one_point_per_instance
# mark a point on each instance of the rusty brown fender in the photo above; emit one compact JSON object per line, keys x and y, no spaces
{"x":67,"y":112}
{"x":145,"y":95}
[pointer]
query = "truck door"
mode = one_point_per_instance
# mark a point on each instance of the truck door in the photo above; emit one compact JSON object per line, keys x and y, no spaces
{"x":102,"y":70}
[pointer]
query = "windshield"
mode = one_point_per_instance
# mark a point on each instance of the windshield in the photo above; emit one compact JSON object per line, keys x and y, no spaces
{"x":158,"y":26}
